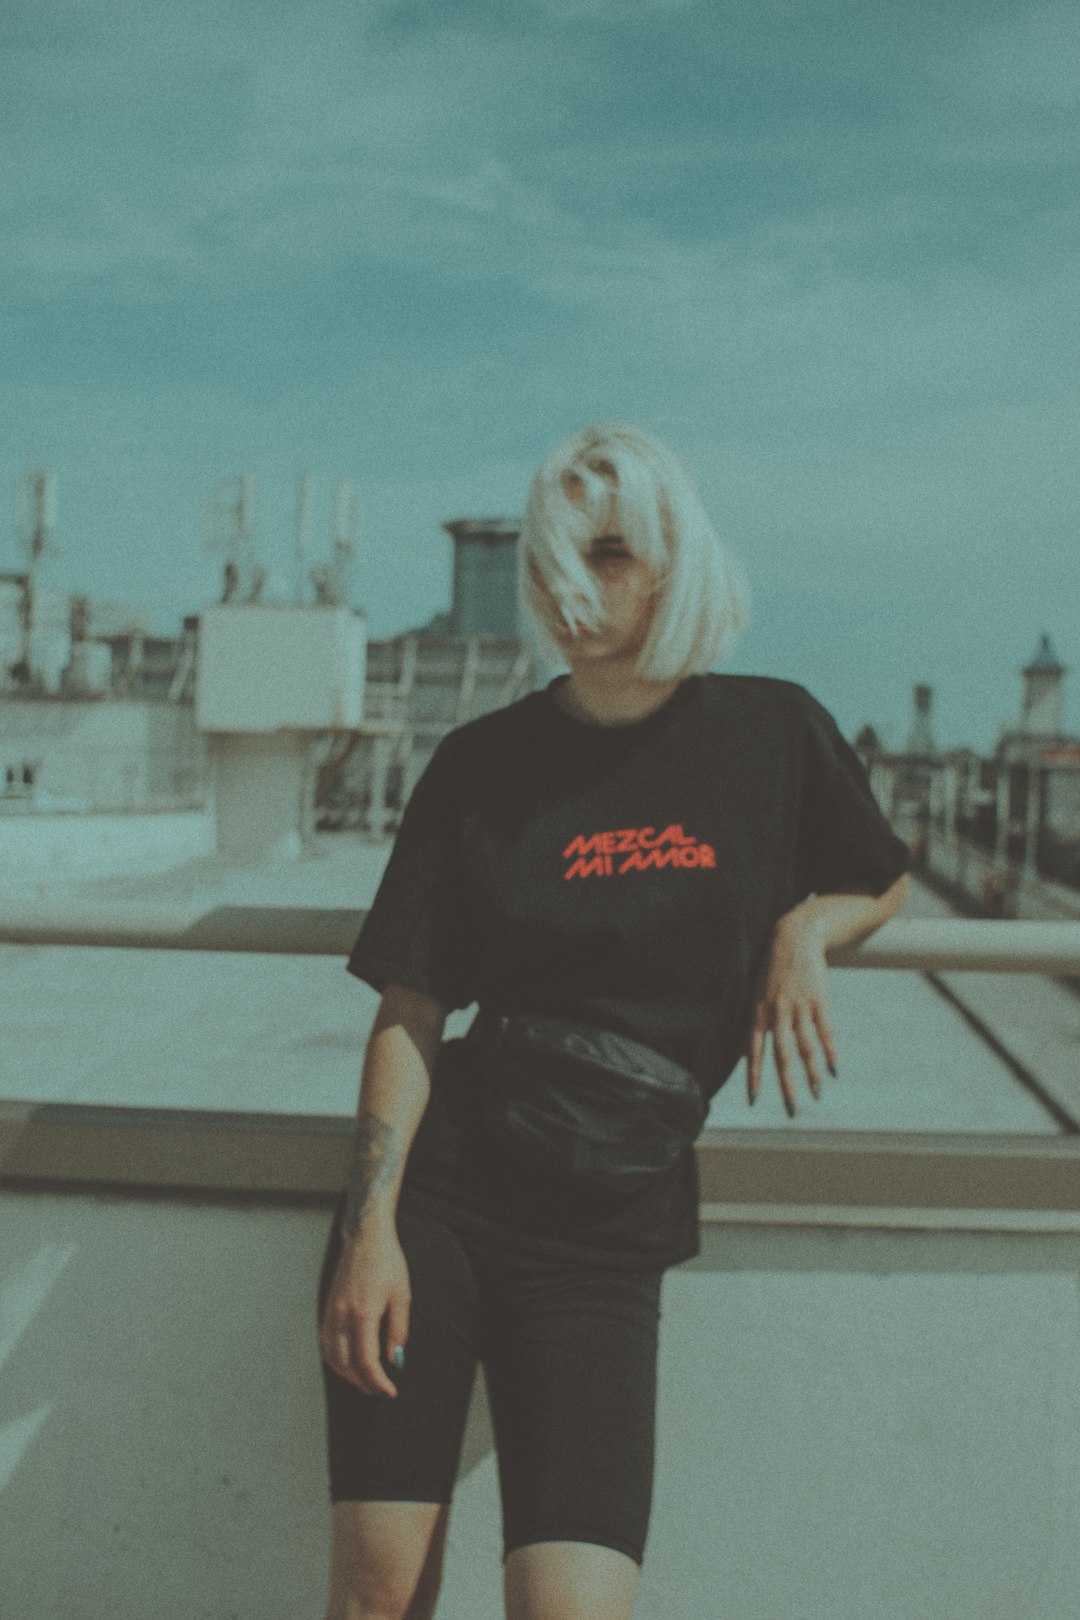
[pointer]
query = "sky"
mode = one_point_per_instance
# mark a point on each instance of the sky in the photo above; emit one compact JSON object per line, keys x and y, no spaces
{"x":826,"y":250}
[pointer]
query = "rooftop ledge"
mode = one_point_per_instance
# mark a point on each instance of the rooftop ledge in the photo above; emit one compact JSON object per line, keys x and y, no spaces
{"x":928,"y":1180}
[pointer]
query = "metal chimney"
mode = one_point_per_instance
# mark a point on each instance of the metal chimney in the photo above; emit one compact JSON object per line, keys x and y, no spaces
{"x":485,"y":601}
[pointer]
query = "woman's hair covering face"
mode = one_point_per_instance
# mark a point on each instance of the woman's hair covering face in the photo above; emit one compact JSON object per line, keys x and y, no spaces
{"x":611,"y":478}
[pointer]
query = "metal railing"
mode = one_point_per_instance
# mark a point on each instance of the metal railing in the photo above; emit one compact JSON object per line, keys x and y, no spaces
{"x":926,"y":945}
{"x":931,"y":1179}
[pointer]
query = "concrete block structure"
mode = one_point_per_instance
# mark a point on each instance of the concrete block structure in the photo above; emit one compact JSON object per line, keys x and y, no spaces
{"x":269,"y":679}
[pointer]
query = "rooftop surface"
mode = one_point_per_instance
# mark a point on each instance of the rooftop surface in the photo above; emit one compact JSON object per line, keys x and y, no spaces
{"x":184,"y":1029}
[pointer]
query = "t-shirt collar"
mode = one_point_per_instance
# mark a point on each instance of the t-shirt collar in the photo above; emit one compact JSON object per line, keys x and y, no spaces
{"x":595,"y":729}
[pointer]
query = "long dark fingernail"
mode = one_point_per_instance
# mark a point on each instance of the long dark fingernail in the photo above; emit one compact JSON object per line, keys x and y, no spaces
{"x":832,"y":1070}
{"x":790,"y":1106}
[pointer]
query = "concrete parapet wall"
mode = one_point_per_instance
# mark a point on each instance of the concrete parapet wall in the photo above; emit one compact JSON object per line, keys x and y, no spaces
{"x":64,"y":845}
{"x":851,"y":1422}
{"x":98,"y":754}
{"x":966,"y":866}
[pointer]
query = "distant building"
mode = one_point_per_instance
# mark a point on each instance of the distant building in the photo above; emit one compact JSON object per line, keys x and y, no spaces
{"x":1039,"y":726}
{"x":109,"y":722}
{"x":921,"y":736}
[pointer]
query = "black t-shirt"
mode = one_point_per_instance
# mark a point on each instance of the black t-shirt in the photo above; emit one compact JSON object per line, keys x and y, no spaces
{"x":623,"y":875}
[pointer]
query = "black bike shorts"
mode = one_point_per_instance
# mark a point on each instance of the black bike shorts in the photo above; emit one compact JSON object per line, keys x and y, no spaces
{"x":569,"y":1356}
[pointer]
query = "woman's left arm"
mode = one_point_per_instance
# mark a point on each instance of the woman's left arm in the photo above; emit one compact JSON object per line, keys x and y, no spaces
{"x":792,"y":1000}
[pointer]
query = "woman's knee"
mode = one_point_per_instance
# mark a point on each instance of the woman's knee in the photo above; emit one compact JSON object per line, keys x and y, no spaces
{"x":569,"y":1580}
{"x":386,"y":1559}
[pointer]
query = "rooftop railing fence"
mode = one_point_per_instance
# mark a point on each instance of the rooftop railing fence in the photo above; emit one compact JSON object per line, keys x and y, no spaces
{"x":786,"y":1175}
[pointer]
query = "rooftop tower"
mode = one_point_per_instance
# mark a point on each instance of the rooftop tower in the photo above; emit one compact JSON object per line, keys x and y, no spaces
{"x":921,"y":737}
{"x":1040,"y":708}
{"x":485,"y":577}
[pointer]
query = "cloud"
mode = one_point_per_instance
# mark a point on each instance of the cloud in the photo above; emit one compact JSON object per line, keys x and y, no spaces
{"x":621,"y":11}
{"x":224,"y":157}
{"x":1024,"y":59}
{"x":322,"y":147}
{"x":826,"y":253}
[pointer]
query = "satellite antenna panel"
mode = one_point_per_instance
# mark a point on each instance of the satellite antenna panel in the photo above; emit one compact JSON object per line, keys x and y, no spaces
{"x":228,"y":526}
{"x":229,"y":514}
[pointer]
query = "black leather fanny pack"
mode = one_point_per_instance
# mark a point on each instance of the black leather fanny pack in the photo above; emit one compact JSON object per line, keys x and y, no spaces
{"x":580,"y":1102}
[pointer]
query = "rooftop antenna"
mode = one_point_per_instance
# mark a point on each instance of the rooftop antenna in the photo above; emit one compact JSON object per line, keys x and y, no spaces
{"x":35,"y":519}
{"x":331,"y":580}
{"x":346,"y":534}
{"x":228,"y":525}
{"x":303,"y":511}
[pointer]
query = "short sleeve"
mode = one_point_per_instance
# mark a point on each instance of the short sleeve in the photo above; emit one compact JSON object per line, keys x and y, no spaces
{"x":844,"y":840}
{"x":417,"y":931}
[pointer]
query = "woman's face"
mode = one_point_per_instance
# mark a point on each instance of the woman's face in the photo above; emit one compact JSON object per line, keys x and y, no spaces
{"x":628,"y":603}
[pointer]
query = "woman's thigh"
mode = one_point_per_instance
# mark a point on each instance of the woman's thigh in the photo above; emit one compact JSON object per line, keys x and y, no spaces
{"x":570,"y":1358}
{"x":407,"y":1448}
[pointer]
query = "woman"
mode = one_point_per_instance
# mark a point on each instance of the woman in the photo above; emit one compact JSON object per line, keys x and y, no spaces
{"x":650,"y":849}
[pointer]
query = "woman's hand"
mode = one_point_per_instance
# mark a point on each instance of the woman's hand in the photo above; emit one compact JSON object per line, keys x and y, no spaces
{"x":792,"y":1002}
{"x":371,"y":1281}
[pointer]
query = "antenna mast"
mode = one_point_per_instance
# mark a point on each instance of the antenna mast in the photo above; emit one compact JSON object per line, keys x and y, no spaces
{"x":331,"y":580}
{"x":303,"y":509}
{"x":35,"y":517}
{"x":346,"y":536}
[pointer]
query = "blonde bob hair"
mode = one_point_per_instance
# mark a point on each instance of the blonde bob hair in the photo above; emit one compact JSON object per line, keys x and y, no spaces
{"x":610,"y":478}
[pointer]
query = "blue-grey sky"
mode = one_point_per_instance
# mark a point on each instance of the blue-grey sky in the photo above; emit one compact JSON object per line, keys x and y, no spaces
{"x":828,"y":250}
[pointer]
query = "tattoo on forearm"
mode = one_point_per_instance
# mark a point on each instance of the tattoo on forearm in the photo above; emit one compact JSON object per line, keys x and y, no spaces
{"x":375,"y":1159}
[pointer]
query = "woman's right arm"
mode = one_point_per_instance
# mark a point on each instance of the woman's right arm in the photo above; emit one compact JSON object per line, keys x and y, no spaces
{"x":372,"y":1280}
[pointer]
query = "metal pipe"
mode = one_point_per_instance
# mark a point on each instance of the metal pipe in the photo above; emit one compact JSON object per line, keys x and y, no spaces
{"x":931,"y":944}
